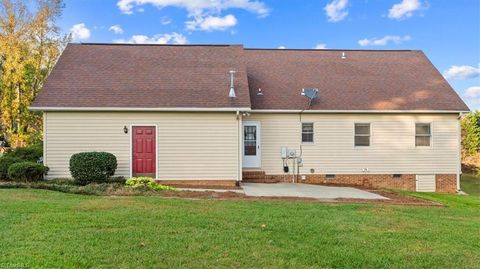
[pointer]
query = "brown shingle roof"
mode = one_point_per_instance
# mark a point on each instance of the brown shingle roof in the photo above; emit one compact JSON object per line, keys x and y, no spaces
{"x":146,"y":76}
{"x":364,"y":80}
{"x":196,"y":76}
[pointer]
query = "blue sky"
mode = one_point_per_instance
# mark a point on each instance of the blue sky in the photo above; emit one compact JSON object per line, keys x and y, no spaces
{"x":447,"y":31}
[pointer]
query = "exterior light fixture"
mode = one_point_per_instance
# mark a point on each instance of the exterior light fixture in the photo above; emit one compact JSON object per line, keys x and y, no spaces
{"x":125,"y":129}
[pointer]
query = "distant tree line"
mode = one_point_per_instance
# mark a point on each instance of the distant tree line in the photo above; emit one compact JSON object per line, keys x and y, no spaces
{"x":471,"y":142}
{"x":30,"y":44}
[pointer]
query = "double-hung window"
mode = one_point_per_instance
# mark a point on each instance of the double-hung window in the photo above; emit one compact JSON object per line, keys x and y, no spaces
{"x":307,"y":132}
{"x":423,"y":134}
{"x":362,"y":134}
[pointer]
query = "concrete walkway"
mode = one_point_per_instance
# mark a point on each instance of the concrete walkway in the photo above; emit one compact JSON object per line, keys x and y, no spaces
{"x":306,"y":191}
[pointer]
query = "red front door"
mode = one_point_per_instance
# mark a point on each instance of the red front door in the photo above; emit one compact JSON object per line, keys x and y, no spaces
{"x":144,"y":152}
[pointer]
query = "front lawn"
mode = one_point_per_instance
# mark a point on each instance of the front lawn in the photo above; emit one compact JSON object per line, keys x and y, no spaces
{"x":47,"y":229}
{"x":470,"y":184}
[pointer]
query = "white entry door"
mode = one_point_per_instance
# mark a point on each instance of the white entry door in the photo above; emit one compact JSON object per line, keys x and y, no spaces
{"x":251,"y":144}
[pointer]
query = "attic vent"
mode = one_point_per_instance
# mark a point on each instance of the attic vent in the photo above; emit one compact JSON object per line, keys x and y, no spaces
{"x":232,"y":94}
{"x":310,"y":93}
{"x":259,"y":92}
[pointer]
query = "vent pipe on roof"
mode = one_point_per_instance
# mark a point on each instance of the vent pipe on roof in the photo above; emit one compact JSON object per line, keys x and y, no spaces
{"x":343,"y":55}
{"x":232,"y":94}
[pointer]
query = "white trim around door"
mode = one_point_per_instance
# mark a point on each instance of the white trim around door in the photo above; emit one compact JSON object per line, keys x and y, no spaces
{"x":251,"y":144}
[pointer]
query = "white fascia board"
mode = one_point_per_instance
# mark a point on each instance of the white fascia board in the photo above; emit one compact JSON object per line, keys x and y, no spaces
{"x":354,"y":111}
{"x":140,"y":109}
{"x":233,"y":109}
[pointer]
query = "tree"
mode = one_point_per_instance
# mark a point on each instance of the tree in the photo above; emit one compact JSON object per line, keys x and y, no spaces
{"x":471,"y":134}
{"x":30,"y":44}
{"x":471,"y":142}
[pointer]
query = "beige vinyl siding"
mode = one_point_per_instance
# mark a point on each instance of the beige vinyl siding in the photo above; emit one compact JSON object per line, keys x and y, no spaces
{"x":392,"y":143}
{"x":190,"y":145}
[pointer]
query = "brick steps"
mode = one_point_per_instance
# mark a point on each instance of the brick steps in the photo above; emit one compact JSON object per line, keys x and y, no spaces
{"x":261,"y":177}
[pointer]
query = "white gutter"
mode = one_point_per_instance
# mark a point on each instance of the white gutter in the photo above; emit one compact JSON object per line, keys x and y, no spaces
{"x":353,"y":111}
{"x":146,"y":109}
{"x":234,"y":109}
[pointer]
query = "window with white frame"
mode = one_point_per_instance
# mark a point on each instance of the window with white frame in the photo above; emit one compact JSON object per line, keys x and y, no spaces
{"x":307,"y":132}
{"x":362,"y":134}
{"x":423,"y":134}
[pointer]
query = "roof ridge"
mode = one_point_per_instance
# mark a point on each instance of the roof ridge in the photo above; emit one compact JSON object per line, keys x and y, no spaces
{"x":176,"y":45}
{"x":367,"y":50}
{"x":235,"y":45}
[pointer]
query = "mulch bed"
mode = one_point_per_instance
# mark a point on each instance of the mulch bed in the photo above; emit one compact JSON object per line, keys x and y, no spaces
{"x":119,"y":190}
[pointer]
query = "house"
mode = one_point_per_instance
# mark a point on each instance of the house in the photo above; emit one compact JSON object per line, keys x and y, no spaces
{"x":221,"y":114}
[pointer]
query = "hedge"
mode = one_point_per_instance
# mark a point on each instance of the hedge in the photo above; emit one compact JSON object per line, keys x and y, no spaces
{"x":27,"y":171}
{"x":32,"y":153}
{"x":88,"y":167}
{"x":5,"y":163}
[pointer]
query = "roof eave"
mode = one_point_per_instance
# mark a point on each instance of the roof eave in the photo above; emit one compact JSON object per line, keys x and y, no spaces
{"x":145,"y":109}
{"x":425,"y":111}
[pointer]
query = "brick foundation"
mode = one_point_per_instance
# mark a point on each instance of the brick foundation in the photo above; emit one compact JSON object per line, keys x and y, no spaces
{"x":444,"y":183}
{"x":208,"y":184}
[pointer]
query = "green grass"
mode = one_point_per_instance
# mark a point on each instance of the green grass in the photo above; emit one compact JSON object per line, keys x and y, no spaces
{"x":470,"y":184}
{"x":47,"y":229}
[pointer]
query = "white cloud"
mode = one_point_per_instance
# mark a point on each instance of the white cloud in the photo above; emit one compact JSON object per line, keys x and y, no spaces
{"x":80,"y":32}
{"x":336,"y":10}
{"x":205,"y":14}
{"x":281,"y":47}
{"x":164,"y":20}
{"x":211,"y":23}
{"x":404,"y":9}
{"x":117,"y":29}
{"x":383,"y":41}
{"x":462,"y":72}
{"x":473,"y":92}
{"x":198,"y":7}
{"x":320,"y":46}
{"x":472,"y":96}
{"x":170,"y":38}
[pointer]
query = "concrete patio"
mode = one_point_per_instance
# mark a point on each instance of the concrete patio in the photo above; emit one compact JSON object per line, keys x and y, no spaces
{"x":306,"y":191}
{"x":296,"y":190}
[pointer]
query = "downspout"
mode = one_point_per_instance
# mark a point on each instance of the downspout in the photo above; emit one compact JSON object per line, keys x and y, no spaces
{"x":44,"y":155}
{"x":301,"y":146}
{"x":239,"y":159}
{"x":459,"y":151}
